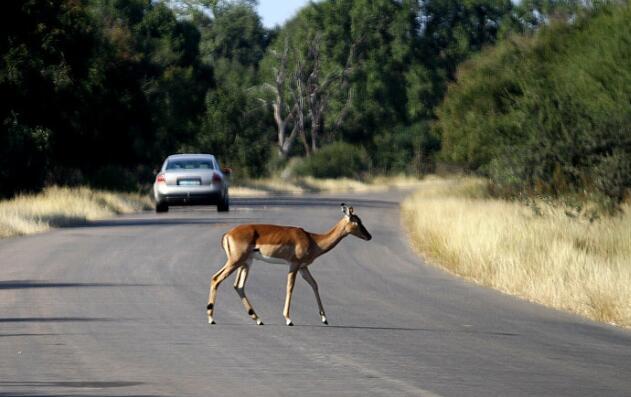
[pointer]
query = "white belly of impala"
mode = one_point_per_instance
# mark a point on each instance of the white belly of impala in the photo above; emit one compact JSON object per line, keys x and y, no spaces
{"x":269,"y":259}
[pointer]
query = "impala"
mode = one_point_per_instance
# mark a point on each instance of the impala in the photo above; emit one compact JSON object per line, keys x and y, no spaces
{"x":288,"y":245}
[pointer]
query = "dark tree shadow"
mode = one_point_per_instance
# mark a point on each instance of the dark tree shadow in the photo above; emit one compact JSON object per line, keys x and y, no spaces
{"x":302,"y":201}
{"x":122,"y":222}
{"x":27,"y":334}
{"x":79,"y":384}
{"x":29,"y":385}
{"x":54,"y":319}
{"x":27,"y":284}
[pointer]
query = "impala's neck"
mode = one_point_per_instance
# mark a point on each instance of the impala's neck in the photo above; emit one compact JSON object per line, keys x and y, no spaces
{"x":329,"y":240}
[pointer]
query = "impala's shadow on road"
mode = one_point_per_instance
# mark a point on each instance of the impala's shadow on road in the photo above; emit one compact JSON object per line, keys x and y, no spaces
{"x":27,"y":284}
{"x":434,"y":330}
{"x":160,"y":221}
{"x":377,"y":328}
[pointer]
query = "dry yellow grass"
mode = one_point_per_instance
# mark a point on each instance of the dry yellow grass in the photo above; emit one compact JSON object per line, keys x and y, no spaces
{"x":563,"y":262}
{"x":300,"y":185}
{"x":57,"y":206}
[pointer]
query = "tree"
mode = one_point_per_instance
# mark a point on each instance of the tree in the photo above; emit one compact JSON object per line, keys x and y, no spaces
{"x":548,"y":114}
{"x":284,"y":115}
{"x":233,"y":41}
{"x":320,"y":89}
{"x":307,"y":82}
{"x":309,"y":93}
{"x":46,"y":77}
{"x":453,"y":29}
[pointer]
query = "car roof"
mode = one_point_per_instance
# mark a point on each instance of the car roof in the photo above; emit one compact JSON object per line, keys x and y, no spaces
{"x":191,"y":155}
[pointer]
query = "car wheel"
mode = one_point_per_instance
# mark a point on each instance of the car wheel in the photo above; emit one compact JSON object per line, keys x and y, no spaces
{"x":224,"y":206}
{"x":162,"y":207}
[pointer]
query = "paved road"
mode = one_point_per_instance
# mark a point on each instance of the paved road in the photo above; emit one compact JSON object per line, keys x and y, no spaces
{"x":117,"y":308}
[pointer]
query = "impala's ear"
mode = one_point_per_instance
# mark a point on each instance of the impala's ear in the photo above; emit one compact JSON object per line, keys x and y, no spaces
{"x":345,"y":210}
{"x":350,"y":210}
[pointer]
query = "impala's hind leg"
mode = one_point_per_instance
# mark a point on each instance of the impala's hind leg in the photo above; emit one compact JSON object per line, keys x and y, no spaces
{"x":239,"y":286}
{"x":217,"y":279}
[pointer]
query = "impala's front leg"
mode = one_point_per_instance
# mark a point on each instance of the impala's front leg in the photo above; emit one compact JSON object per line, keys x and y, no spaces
{"x":306,"y":274}
{"x":291,"y":280}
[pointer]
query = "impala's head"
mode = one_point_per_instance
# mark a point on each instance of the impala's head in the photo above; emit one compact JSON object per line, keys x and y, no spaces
{"x":354,"y":225}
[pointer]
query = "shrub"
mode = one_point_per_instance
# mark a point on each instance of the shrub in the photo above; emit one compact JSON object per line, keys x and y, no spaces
{"x":23,"y":159}
{"x":405,"y":149}
{"x":335,"y":160}
{"x":548,"y":115}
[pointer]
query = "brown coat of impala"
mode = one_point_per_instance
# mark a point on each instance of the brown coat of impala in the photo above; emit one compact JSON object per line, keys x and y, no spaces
{"x":279,"y":244}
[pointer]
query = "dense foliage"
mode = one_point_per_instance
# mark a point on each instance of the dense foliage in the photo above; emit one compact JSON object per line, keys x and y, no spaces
{"x":91,"y":92}
{"x":335,"y":160}
{"x":548,"y":114}
{"x":100,"y":91}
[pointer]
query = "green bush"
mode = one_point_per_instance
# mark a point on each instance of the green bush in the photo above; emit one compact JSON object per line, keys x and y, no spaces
{"x":22,"y":157}
{"x":548,"y":114}
{"x":335,"y":160}
{"x":114,"y":177}
{"x":405,"y":149}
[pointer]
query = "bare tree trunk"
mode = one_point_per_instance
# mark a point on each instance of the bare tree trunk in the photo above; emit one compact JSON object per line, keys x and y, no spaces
{"x":286,"y":146}
{"x":315,"y":93}
{"x":300,"y":122}
{"x":319,"y":91}
{"x":279,"y":105}
{"x":315,"y":132}
{"x":310,"y":93}
{"x":301,"y":126}
{"x":281,"y":123}
{"x":299,"y":99}
{"x":317,"y":122}
{"x":346,"y":86}
{"x":305,"y":143}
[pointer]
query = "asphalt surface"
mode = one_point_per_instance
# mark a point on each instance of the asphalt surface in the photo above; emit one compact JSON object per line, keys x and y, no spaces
{"x":117,"y":308}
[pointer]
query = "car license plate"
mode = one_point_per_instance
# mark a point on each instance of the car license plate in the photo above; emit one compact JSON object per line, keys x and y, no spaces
{"x":189,"y":182}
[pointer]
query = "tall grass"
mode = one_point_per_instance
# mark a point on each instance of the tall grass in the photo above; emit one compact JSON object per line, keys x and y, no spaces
{"x":544,"y":256}
{"x":57,"y":206}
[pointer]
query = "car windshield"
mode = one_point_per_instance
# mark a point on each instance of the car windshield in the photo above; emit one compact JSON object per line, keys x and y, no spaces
{"x":189,"y":164}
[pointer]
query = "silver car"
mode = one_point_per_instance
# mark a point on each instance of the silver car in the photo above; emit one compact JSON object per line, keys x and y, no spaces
{"x":191,"y":179}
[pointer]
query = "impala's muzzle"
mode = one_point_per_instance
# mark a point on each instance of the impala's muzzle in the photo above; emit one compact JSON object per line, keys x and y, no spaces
{"x":364,"y":234}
